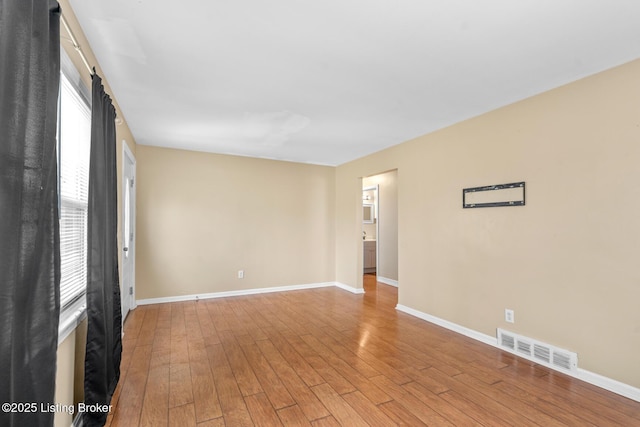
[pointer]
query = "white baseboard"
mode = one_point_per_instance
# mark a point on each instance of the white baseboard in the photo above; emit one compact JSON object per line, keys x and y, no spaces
{"x":232,"y":293}
{"x":598,"y":380}
{"x":194,"y":297}
{"x":478,"y":336}
{"x":387,"y":281}
{"x":610,"y":384}
{"x":349,"y":288}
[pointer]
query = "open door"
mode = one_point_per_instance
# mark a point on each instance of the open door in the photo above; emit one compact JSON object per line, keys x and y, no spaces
{"x":128,"y":230}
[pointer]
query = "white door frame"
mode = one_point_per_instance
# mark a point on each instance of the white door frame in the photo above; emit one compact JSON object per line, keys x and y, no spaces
{"x":127,"y":156}
{"x":376,"y":209}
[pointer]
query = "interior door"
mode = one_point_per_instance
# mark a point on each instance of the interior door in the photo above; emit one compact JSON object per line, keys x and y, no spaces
{"x":128,"y":231}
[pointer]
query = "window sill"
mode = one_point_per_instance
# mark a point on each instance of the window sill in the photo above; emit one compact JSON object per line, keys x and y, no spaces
{"x":70,"y":320}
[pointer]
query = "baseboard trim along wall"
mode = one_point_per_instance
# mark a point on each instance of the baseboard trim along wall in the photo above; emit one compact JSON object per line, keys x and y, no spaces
{"x":598,"y":380}
{"x":387,"y":281}
{"x":349,"y":288}
{"x":195,"y":297}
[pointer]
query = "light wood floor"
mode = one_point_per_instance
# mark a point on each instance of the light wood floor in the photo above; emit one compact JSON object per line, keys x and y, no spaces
{"x":326,"y":357}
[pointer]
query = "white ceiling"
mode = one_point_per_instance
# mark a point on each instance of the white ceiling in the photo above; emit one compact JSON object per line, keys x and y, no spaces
{"x":330,"y":81}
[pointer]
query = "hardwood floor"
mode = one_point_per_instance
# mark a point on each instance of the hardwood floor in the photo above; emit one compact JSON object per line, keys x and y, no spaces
{"x":326,"y":357}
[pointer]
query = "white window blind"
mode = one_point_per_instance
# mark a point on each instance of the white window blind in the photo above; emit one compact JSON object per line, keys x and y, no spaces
{"x":74,"y":145}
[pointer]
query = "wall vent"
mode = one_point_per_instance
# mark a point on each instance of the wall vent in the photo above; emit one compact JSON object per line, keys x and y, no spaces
{"x":523,"y":347}
{"x":508,"y":341}
{"x":536,"y":351}
{"x":542,"y":352}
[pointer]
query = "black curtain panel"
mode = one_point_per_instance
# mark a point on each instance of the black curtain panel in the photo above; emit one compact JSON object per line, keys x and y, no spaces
{"x":104,"y":340}
{"x":29,"y":228}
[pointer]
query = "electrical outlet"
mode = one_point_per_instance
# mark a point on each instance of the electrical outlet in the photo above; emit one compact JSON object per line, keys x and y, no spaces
{"x":240,"y":274}
{"x":509,"y":315}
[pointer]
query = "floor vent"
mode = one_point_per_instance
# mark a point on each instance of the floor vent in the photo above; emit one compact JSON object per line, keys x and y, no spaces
{"x":536,"y":351}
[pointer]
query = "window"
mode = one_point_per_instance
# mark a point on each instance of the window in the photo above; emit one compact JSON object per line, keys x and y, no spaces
{"x":74,"y":142}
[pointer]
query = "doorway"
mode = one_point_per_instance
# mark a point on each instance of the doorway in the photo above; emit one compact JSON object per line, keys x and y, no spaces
{"x":381,"y":235}
{"x":370,"y":234}
{"x":128,"y":230}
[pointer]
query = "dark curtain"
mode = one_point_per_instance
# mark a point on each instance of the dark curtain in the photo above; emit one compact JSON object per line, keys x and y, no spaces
{"x":29,"y":228}
{"x":104,"y":340}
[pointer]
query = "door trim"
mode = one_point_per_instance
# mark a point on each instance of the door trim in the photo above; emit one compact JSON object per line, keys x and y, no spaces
{"x":127,"y":155}
{"x":376,"y":188}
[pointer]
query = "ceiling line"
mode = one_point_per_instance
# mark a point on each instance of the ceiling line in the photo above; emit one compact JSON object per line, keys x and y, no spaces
{"x":74,"y":43}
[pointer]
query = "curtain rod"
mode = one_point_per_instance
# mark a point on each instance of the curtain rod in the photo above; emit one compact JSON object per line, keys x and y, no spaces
{"x":75,"y":44}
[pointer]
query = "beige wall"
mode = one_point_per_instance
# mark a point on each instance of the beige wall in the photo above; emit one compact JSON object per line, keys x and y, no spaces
{"x":70,"y":374}
{"x":387,"y":222}
{"x":202,"y":217}
{"x":565,"y":262}
{"x":65,"y":370}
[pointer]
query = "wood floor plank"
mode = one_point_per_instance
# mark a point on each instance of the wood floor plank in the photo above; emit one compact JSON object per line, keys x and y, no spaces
{"x":233,"y":407}
{"x":522,"y":408}
{"x":445,"y":409}
{"x":207,"y":327}
{"x":399,"y":414}
{"x":261,"y":410}
{"x":338,"y":407}
{"x":156,"y":397}
{"x":196,"y":349}
{"x":179,"y":350}
{"x":615,"y":409}
{"x":332,"y":377}
{"x":160,"y":357}
{"x":273,"y":321}
{"x":254,"y":308}
{"x":326,"y":357}
{"x":309,"y":375}
{"x":205,"y":395}
{"x":350,"y":374}
{"x":547,"y":384}
{"x":566,"y":417}
{"x":178,"y":327}
{"x":422,"y":377}
{"x":488,"y":409}
{"x":129,"y":405}
{"x":218,"y":422}
{"x":367,"y":410}
{"x":162,"y":339}
{"x":293,"y":416}
{"x":217,"y":315}
{"x":181,"y":416}
{"x":276,"y":392}
{"x":245,"y":377}
{"x":482,"y":415}
{"x":352,"y":356}
{"x":339,"y":351}
{"x":393,"y":352}
{"x":148,"y":327}
{"x":304,"y":397}
{"x":134,"y":324}
{"x":164,"y":316}
{"x":326,"y":422}
{"x":410,"y":403}
{"x":359,"y":352}
{"x":180,"y":384}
